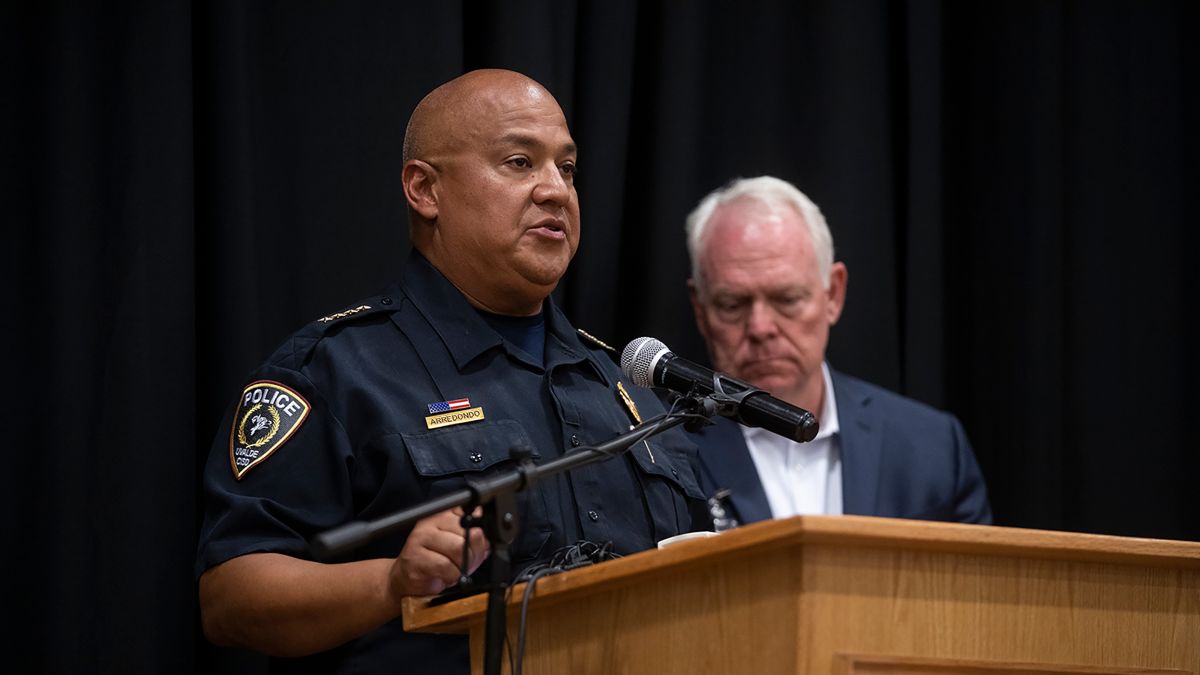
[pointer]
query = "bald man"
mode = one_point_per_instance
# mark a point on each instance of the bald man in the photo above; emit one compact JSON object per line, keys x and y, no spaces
{"x":766,"y":291}
{"x":398,"y":398}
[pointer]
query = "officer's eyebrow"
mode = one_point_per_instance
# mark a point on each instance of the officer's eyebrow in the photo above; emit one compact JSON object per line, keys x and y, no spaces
{"x":532,"y":143}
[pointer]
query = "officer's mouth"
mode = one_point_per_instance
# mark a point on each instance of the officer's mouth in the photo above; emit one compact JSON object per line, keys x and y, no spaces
{"x":550,"y":228}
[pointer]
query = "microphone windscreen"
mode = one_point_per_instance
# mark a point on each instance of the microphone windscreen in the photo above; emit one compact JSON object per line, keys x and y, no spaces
{"x":638,"y":357}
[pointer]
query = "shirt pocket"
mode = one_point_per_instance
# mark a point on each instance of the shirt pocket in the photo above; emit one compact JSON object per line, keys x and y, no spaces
{"x":669,"y":483}
{"x":444,"y":459}
{"x":467,"y":449}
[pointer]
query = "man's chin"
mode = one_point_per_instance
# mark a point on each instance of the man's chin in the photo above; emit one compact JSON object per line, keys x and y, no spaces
{"x":543,"y":268}
{"x":544,"y":277}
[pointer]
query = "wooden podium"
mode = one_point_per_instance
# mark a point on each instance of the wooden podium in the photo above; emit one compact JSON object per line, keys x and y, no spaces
{"x":850,"y":594}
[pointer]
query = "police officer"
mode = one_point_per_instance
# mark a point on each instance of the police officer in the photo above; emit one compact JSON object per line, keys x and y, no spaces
{"x":397,"y":398}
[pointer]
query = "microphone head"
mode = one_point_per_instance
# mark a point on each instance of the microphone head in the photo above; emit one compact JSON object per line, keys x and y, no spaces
{"x":638,"y":358}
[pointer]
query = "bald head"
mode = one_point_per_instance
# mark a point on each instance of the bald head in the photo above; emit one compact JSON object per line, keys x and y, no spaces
{"x":489,"y":175}
{"x":448,"y":116}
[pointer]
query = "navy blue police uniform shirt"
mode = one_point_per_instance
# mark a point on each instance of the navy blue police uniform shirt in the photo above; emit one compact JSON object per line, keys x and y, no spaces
{"x":393,"y":402}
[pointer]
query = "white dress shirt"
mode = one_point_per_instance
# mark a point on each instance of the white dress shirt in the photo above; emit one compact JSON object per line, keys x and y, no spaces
{"x":801,"y":477}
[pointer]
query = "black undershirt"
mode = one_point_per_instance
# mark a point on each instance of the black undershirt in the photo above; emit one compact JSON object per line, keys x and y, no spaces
{"x":527,"y":333}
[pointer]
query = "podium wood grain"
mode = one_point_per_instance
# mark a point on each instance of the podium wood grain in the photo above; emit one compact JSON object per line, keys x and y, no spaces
{"x":849,"y":594}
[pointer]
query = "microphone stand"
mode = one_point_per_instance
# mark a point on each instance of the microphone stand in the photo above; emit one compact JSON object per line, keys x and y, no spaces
{"x":497,"y":495}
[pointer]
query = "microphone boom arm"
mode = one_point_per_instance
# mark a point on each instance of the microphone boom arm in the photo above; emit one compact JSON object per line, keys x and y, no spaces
{"x":342,"y":539}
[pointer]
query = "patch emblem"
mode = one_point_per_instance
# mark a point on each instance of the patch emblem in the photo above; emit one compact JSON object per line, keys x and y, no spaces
{"x":268,"y":415}
{"x":453,"y":417}
{"x":630,"y":406}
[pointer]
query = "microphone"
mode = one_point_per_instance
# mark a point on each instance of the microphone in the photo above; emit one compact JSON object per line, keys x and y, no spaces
{"x":649,"y":363}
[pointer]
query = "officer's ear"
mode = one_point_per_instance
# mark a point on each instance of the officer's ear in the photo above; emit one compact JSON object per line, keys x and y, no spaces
{"x":419,"y":179}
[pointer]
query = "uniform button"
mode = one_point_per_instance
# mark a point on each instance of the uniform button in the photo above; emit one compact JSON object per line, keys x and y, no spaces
{"x":594,"y":516}
{"x":476,"y":457}
{"x":674,"y":473}
{"x":575,"y":440}
{"x":385,"y":301}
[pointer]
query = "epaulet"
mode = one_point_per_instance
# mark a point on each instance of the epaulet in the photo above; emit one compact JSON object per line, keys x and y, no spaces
{"x":374,"y":305}
{"x":319,"y":328}
{"x":594,"y":341}
{"x":296,"y":349}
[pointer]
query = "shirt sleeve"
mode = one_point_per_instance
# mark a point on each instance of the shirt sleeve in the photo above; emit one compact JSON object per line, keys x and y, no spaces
{"x":278,"y":472}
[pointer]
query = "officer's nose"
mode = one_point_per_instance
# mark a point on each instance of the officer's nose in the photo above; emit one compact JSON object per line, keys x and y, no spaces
{"x":552,"y":186}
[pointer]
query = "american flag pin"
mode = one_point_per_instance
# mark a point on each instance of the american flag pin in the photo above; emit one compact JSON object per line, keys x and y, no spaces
{"x":447,"y":406}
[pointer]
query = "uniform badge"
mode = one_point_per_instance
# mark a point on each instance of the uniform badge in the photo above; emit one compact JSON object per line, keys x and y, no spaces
{"x":268,"y":415}
{"x":449,"y":413}
{"x":630,"y":406}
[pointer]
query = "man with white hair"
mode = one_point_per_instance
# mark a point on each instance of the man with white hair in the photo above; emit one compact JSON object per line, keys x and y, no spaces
{"x":766,"y":290}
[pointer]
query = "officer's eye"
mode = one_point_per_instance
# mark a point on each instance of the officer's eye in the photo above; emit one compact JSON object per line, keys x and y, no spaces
{"x":520,"y":162}
{"x":569,"y":169}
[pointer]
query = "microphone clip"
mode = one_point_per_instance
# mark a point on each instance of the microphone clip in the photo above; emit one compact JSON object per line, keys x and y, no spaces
{"x":703,"y":406}
{"x":727,"y":404}
{"x":697,"y":406}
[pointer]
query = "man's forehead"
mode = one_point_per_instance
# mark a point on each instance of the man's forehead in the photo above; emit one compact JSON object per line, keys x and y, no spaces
{"x":518,"y":94}
{"x":750,"y":228}
{"x":560,"y":143}
{"x":526,"y":122}
{"x":752,"y":212}
{"x":772,"y":273}
{"x":526,"y":107}
{"x":751,"y":242}
{"x":481,"y":106}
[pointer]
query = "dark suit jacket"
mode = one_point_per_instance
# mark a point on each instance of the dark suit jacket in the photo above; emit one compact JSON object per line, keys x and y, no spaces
{"x":900,"y":459}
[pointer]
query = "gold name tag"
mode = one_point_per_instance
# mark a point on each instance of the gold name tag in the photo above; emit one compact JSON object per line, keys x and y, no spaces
{"x":454,"y":417}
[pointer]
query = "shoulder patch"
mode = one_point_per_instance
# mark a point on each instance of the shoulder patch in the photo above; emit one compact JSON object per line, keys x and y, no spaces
{"x":593,"y":340}
{"x":268,"y":414}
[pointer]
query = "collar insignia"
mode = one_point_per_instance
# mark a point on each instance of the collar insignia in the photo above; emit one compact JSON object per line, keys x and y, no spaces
{"x":630,"y":406}
{"x":594,"y":340}
{"x":267,"y":416}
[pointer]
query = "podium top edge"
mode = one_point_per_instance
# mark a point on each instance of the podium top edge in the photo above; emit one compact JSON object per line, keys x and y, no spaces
{"x":823,"y":531}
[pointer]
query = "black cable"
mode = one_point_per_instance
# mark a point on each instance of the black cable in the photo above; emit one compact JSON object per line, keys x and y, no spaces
{"x":579,"y":554}
{"x":513,"y":668}
{"x":516,"y":670}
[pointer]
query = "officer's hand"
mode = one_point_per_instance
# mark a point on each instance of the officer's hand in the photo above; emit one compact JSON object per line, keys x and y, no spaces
{"x":431,"y":557}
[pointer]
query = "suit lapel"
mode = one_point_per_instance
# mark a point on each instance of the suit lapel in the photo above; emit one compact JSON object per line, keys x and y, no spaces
{"x":726,"y":459}
{"x":861,"y":444}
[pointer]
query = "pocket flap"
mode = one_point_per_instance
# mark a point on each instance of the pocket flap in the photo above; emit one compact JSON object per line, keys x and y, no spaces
{"x":467,"y":448}
{"x":669,"y":465}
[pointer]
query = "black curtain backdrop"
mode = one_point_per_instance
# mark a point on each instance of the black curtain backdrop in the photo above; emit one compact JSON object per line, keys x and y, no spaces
{"x":186,"y":184}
